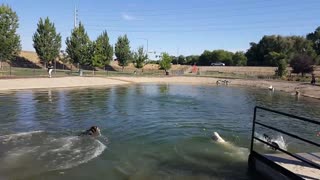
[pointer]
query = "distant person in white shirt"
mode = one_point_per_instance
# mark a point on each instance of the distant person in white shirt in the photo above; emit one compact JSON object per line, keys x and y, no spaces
{"x":50,"y":68}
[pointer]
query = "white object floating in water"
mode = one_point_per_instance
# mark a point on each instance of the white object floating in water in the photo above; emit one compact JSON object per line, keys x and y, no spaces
{"x":271,"y":88}
{"x":216,"y":137}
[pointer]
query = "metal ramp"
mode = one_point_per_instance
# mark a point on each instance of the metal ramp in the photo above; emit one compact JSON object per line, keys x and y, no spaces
{"x":284,"y":164}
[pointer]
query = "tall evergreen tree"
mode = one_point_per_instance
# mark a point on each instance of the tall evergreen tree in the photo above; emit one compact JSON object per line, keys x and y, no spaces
{"x":78,"y":46}
{"x":122,"y":50}
{"x":46,"y":41}
{"x":9,"y":39}
{"x":103,"y":51}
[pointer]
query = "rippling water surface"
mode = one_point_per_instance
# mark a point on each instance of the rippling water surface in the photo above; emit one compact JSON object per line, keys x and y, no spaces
{"x":150,"y":131}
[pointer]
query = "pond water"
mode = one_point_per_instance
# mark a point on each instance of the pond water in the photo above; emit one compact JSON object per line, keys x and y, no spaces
{"x":149,"y":131}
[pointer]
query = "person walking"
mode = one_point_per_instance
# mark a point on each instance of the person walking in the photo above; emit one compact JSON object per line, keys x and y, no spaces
{"x":50,"y":68}
{"x":313,"y":79}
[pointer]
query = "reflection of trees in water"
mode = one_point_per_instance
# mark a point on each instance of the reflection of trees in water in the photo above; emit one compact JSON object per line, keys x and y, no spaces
{"x":9,"y":110}
{"x":45,"y":105}
{"x":139,"y":89}
{"x":87,"y":101}
{"x":163,"y":89}
{"x":26,"y":107}
{"x":121,"y":99}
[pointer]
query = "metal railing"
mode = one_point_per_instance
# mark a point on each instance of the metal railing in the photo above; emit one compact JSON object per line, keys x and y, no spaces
{"x":253,"y":137}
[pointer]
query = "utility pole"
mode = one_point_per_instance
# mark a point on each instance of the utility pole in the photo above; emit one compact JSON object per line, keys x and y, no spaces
{"x":177,"y":55}
{"x":75,"y":16}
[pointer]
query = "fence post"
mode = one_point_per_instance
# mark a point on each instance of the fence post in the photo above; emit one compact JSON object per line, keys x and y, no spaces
{"x":253,"y":128}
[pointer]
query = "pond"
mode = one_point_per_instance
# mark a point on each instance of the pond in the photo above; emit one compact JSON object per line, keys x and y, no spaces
{"x":149,"y":131}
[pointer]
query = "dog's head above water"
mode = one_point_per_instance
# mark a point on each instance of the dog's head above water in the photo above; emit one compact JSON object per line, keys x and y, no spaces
{"x":216,"y":137}
{"x":93,"y":131}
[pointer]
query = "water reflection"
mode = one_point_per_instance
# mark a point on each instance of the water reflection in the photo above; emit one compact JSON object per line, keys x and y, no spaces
{"x":155,"y":130}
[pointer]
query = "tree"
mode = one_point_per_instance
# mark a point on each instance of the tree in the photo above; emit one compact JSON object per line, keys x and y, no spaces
{"x":78,"y":46}
{"x":222,"y":56}
{"x":282,"y":68}
{"x":258,"y":53}
{"x":274,"y":57}
{"x":46,"y":41}
{"x":290,"y":46}
{"x":103,"y":51}
{"x":205,"y":58}
{"x":315,"y":38}
{"x":122,"y":50}
{"x":182,"y":60}
{"x":239,"y":59}
{"x":139,"y":58}
{"x":302,"y":64}
{"x":174,"y":59}
{"x":300,"y":45}
{"x":9,"y":39}
{"x":165,"y":62}
{"x":193,"y":59}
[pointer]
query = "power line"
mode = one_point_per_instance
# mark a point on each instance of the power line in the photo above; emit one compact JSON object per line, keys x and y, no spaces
{"x":286,"y":13}
{"x":211,"y":24}
{"x":203,"y":30}
{"x":245,"y":5}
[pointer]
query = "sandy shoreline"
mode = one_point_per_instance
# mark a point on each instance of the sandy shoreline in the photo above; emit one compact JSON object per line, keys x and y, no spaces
{"x":305,"y":89}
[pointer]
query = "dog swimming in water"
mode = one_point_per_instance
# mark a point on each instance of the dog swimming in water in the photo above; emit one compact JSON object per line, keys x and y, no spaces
{"x":269,"y":140}
{"x":216,"y":137}
{"x":93,"y":131}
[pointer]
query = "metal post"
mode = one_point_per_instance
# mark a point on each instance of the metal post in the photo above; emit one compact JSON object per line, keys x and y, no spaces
{"x":147,"y":46}
{"x":253,"y":128}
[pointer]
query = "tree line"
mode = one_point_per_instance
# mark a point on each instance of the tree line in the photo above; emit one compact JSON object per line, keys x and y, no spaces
{"x":301,"y":52}
{"x":79,"y":48}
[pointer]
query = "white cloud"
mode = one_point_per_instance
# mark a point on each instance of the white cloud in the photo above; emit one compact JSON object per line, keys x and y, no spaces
{"x":128,"y":17}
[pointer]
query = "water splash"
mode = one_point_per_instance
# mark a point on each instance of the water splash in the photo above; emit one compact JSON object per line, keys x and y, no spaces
{"x":278,"y":139}
{"x":46,"y":152}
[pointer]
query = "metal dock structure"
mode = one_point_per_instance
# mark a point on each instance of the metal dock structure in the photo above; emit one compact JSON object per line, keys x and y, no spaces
{"x":284,"y":165}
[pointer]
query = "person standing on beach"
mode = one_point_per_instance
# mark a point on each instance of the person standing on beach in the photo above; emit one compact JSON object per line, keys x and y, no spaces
{"x":313,"y":79}
{"x":50,"y":68}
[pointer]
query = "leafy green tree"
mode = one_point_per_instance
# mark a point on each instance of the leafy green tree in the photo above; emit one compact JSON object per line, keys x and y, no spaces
{"x":300,"y":45}
{"x":290,"y":46}
{"x":253,"y":55}
{"x":79,"y":45}
{"x":193,"y":59}
{"x":282,"y":68}
{"x":182,"y":60}
{"x":205,"y":58}
{"x":274,"y":57}
{"x":165,"y":62}
{"x":315,"y":38}
{"x":139,"y":58}
{"x":9,"y":39}
{"x":239,"y":59}
{"x":174,"y":59}
{"x":103,"y":51}
{"x":302,"y":64}
{"x":258,"y":53}
{"x":122,"y":50}
{"x":46,"y":41}
{"x":222,"y":56}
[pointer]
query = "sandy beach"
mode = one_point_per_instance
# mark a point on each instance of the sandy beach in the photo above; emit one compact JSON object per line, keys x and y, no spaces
{"x":305,"y":89}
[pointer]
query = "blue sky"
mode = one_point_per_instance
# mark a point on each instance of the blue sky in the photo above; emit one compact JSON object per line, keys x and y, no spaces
{"x":174,"y":26}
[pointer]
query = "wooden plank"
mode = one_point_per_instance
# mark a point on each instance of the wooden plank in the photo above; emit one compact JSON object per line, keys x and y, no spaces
{"x":296,"y":166}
